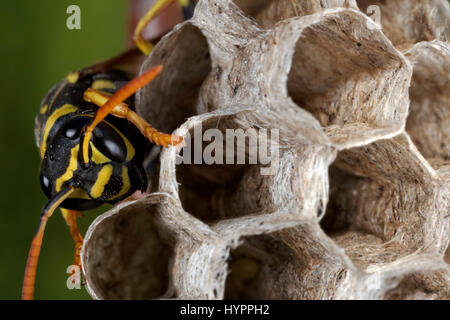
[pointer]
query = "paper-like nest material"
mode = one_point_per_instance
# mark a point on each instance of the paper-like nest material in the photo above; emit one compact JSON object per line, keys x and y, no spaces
{"x":358,"y":207}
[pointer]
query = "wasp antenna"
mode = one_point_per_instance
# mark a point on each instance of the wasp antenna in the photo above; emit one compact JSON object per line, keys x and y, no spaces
{"x":33,"y":254}
{"x":117,"y":98}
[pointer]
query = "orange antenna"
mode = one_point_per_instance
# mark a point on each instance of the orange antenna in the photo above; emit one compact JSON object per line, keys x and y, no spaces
{"x":118,"y":97}
{"x":33,"y":254}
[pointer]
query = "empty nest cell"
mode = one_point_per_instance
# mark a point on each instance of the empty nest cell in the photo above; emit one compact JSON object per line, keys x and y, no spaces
{"x":135,"y":237}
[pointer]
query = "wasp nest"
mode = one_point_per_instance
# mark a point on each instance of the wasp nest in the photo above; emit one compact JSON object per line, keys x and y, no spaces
{"x":356,"y":205}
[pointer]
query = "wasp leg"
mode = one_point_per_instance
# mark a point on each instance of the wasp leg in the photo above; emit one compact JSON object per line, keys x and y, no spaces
{"x":117,"y":98}
{"x":144,"y":45}
{"x":71,"y":219}
{"x":123,"y":111}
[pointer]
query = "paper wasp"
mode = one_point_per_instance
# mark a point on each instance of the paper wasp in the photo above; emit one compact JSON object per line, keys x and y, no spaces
{"x":92,"y":143}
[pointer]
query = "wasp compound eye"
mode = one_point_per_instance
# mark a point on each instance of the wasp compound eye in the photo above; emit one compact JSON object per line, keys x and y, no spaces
{"x":73,"y":128}
{"x":46,"y":185}
{"x":110,"y":143}
{"x":72,"y":133}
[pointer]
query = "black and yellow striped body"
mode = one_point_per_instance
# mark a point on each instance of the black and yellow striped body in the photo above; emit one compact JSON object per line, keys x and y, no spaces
{"x":117,"y":149}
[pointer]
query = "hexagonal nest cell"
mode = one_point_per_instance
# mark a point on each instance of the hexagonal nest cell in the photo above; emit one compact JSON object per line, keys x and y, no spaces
{"x":355,"y":201}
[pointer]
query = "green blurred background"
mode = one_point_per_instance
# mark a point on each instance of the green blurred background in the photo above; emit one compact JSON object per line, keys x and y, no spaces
{"x":37,"y":50}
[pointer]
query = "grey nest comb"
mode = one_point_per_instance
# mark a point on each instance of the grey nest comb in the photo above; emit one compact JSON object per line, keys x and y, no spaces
{"x":358,"y":204}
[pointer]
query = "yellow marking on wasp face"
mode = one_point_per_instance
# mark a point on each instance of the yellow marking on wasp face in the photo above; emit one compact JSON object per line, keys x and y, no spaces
{"x":97,"y":156}
{"x":102,"y":180}
{"x":43,"y":109}
{"x":73,"y":164}
{"x":103,"y":84}
{"x":126,"y":185}
{"x":79,"y":194}
{"x":183,"y":3}
{"x":73,"y":77}
{"x":58,"y":113}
